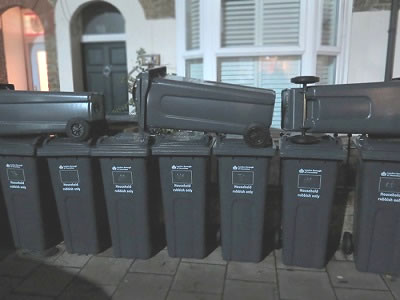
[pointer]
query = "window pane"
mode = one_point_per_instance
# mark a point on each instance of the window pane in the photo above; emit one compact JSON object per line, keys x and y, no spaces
{"x":192,"y":24}
{"x":102,"y":18}
{"x":276,"y":72}
{"x":326,"y":69}
{"x":329,"y":22}
{"x":194,"y":68}
{"x":238,"y":23}
{"x":281,"y":22}
{"x":272,"y":72}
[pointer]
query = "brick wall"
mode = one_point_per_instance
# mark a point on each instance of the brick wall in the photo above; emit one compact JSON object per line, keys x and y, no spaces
{"x":158,"y":9}
{"x":368,"y":5}
{"x":45,"y":10}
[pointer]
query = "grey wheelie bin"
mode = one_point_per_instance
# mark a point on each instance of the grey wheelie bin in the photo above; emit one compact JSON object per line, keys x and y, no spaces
{"x":377,"y":207}
{"x":28,"y":195}
{"x":309,"y":174}
{"x":133,"y":196}
{"x":247,"y":229}
{"x":6,"y":241}
{"x":184,"y":162}
{"x":78,"y":189}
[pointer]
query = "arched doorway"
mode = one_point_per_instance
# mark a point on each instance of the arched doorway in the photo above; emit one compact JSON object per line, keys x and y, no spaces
{"x":104,"y":55}
{"x":24,"y":49}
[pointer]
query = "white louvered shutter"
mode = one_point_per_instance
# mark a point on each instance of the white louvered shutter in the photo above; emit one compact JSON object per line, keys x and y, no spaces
{"x":241,"y":71}
{"x":276,"y":73}
{"x":238,"y":23}
{"x":192,"y":24}
{"x":326,"y":69}
{"x":281,"y":22}
{"x":194,"y":68}
{"x":329,"y":22}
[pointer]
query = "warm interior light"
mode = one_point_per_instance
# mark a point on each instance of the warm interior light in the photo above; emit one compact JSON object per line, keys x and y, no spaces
{"x":42,"y":68}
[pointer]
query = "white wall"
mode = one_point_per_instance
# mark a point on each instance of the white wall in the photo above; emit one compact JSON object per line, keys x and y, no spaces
{"x":14,"y":48}
{"x":368,"y":46}
{"x":155,"y":36}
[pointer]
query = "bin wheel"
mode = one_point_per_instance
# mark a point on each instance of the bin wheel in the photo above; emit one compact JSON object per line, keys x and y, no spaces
{"x":78,"y":129}
{"x":304,"y":79}
{"x":257,"y":135}
{"x":347,"y":243}
{"x":218,"y":236}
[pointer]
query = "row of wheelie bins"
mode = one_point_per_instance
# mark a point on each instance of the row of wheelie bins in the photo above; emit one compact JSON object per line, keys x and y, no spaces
{"x":140,"y":194}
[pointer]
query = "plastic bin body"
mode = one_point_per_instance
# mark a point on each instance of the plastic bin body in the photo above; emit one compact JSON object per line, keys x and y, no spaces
{"x":344,"y":108}
{"x":166,"y":101}
{"x":308,"y":182}
{"x":133,"y":196}
{"x":377,"y":208}
{"x":188,"y":206}
{"x":6,"y":240}
{"x":28,"y":195}
{"x":77,"y":184}
{"x":246,"y":233}
{"x":46,"y":112}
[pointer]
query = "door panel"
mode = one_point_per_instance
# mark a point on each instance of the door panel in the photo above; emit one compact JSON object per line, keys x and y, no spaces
{"x":106,"y":72}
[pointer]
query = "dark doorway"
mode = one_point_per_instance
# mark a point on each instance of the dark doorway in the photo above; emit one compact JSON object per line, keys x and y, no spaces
{"x":106,"y":73}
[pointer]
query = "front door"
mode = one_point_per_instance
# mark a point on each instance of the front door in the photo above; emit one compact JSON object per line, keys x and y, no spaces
{"x":106,"y":73}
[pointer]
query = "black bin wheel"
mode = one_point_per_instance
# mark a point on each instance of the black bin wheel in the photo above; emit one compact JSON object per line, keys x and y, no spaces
{"x":304,"y":79}
{"x":278,"y":239}
{"x":78,"y":129}
{"x":347,"y":243}
{"x":257,"y":135}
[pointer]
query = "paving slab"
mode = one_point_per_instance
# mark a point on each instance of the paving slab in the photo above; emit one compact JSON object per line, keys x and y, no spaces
{"x":83,"y":290}
{"x":27,"y":297}
{"x":202,"y":278}
{"x":394,"y":285}
{"x":239,"y":290}
{"x":143,"y":287}
{"x":47,"y":281}
{"x":176,"y":295}
{"x":280,"y":265}
{"x":215,"y":257}
{"x":106,"y":270}
{"x":159,"y":264}
{"x":305,"y":285}
{"x":355,"y":294}
{"x":16,"y":266}
{"x":106,"y":253}
{"x":345,"y":275}
{"x":262,"y":271}
{"x":72,"y":260}
{"x":7,"y":284}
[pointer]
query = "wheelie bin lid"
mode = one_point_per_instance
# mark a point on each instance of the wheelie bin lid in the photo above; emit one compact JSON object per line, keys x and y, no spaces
{"x":236,"y":146}
{"x":378,"y":149}
{"x":126,"y":144}
{"x":182,"y":144}
{"x":329,"y":148}
{"x":64,"y":147}
{"x":21,"y":146}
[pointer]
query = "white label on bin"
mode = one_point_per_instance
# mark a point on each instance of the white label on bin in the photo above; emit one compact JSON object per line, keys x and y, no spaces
{"x":309,"y":183}
{"x":16,"y":176}
{"x":389,"y":187}
{"x":69,"y":177}
{"x":122,"y":177}
{"x":243,"y":180}
{"x":181,"y":176}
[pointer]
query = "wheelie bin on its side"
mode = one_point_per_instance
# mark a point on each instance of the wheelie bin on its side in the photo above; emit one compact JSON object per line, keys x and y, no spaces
{"x":247,"y":228}
{"x":309,"y":174}
{"x":184,"y":161}
{"x":377,"y":206}
{"x":133,"y":196}
{"x":6,"y":241}
{"x":78,"y":188}
{"x":28,"y":195}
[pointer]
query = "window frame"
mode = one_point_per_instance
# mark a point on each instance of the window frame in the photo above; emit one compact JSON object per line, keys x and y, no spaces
{"x":309,"y":44}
